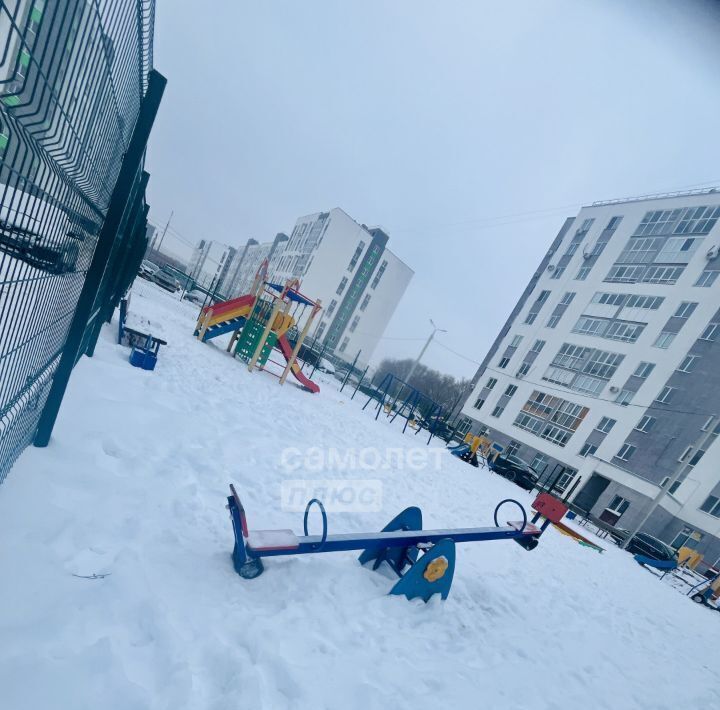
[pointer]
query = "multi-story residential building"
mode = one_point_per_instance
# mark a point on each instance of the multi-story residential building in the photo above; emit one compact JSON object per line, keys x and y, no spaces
{"x":241,"y":272}
{"x":607,"y":372}
{"x":210,"y":263}
{"x":350,"y":269}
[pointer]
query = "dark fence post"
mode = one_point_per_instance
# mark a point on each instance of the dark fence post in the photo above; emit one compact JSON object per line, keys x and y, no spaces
{"x":122,"y":191}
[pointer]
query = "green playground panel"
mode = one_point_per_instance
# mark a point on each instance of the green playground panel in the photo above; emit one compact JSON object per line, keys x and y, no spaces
{"x":249,"y":339}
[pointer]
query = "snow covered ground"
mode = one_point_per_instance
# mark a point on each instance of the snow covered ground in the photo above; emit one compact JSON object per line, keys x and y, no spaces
{"x":133,"y":486}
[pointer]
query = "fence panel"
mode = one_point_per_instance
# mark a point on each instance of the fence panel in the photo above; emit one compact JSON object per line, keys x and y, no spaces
{"x":73,"y":75}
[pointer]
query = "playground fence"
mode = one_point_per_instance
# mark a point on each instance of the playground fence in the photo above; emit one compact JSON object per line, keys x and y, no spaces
{"x":78,"y":97}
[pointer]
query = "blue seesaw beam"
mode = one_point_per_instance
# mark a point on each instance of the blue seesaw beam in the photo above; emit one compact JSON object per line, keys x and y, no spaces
{"x":399,"y":545}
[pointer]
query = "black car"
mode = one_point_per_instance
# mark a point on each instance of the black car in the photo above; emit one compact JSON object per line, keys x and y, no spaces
{"x":649,"y":546}
{"x":515,"y":470}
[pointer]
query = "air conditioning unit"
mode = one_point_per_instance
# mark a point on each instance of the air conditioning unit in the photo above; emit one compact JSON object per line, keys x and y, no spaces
{"x":551,"y":267}
{"x":614,"y":389}
{"x":587,"y":254}
{"x":713,"y":252}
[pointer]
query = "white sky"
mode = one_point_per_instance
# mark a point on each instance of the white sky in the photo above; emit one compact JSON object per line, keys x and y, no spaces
{"x":435,"y":120}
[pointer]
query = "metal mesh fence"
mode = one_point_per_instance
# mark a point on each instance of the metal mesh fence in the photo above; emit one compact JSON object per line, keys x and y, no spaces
{"x":73,"y":76}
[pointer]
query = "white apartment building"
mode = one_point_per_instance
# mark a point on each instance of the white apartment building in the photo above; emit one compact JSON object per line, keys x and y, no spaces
{"x":607,"y":372}
{"x":350,"y":269}
{"x":240,"y":273}
{"x":210,"y":262}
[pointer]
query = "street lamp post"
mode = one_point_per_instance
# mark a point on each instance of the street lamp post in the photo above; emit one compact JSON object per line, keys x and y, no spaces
{"x":425,"y":347}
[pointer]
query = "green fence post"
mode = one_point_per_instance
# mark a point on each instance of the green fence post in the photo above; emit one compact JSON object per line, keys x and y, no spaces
{"x":129,"y":170}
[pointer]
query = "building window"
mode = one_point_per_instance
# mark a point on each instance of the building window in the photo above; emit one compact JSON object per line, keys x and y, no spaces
{"x":320,"y":330}
{"x":624,"y":397}
{"x":624,"y":274}
{"x":504,"y":363}
{"x":512,"y":448}
{"x":696,"y":457}
{"x":591,"y":326}
{"x":605,"y":424}
{"x":711,"y":506}
{"x":666,"y":394}
{"x":379,"y":274}
{"x":342,"y":285}
{"x":497,"y":411}
{"x":697,"y":220}
{"x":683,"y":456}
{"x":530,"y":318}
{"x":644,"y":369}
{"x":651,"y":303}
{"x":618,"y":505}
{"x":588,"y":450}
{"x":559,"y":271}
{"x":356,"y":256}
{"x":553,"y":321}
{"x":511,"y":390}
{"x":583,"y":273}
{"x":516,"y":341}
{"x":588,"y":385}
{"x":464,"y":426}
{"x":662,"y":274}
{"x":344,"y":344}
{"x":537,"y":346}
{"x":543,"y":296}
{"x":491,"y":383}
{"x":614,"y":222}
{"x":645,"y":424}
{"x":626,"y":452}
{"x":685,"y":309}
{"x":479,"y":403}
{"x":331,"y":307}
{"x":539,"y":463}
{"x":523,"y":369}
{"x":711,"y":332}
{"x":707,"y":278}
{"x":567,"y":299}
{"x":663,"y":340}
{"x":572,"y":248}
{"x":364,"y":303}
{"x":354,"y":324}
{"x":550,"y":418}
{"x":624,"y":331}
{"x":688,"y":363}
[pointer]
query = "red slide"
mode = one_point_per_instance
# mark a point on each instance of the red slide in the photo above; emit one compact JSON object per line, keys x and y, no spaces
{"x":286,"y":350}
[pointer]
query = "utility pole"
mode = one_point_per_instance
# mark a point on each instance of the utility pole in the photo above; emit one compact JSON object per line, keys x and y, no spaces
{"x":700,"y":444}
{"x":425,"y":347}
{"x":167,"y":224}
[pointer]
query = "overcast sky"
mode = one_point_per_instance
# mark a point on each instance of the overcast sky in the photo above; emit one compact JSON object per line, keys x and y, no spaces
{"x":467,"y":130}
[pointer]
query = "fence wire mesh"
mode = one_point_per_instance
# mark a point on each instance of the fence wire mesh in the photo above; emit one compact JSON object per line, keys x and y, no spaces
{"x":73,"y":74}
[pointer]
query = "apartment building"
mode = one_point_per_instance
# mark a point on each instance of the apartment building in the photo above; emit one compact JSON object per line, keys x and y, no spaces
{"x":349,"y":267}
{"x":240,"y":273}
{"x":210,"y":262}
{"x":607,"y":372}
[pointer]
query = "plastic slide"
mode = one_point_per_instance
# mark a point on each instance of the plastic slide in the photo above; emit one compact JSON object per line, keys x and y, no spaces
{"x":286,"y":350}
{"x":459,"y":450}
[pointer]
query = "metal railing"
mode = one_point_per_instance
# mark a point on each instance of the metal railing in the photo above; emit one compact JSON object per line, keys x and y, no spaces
{"x":77,"y":100}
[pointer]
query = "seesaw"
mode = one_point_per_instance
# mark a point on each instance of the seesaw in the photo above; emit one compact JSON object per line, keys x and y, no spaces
{"x":399,"y":544}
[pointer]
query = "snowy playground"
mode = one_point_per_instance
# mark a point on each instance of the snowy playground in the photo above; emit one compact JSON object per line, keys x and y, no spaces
{"x":119,"y":591}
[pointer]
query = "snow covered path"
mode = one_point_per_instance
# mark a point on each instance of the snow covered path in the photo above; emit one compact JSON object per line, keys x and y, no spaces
{"x":134,"y":485}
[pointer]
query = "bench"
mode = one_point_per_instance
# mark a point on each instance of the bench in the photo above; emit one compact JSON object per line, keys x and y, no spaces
{"x":145,"y":347}
{"x":399,"y":544}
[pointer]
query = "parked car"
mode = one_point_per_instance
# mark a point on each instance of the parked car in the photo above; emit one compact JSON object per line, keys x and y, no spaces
{"x":57,"y":256}
{"x":164,"y":280}
{"x":644,"y":544}
{"x":326,"y":366}
{"x":196,"y":296}
{"x":515,"y":470}
{"x":147,"y":270}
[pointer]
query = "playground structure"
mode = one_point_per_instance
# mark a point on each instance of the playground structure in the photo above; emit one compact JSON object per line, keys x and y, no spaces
{"x":399,"y":544}
{"x":396,"y":398}
{"x":262,"y":321}
{"x":468,"y":450}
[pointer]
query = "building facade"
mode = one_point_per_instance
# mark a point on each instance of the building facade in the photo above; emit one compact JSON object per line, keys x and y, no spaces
{"x":606,"y":375}
{"x":210,"y":262}
{"x":349,"y":267}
